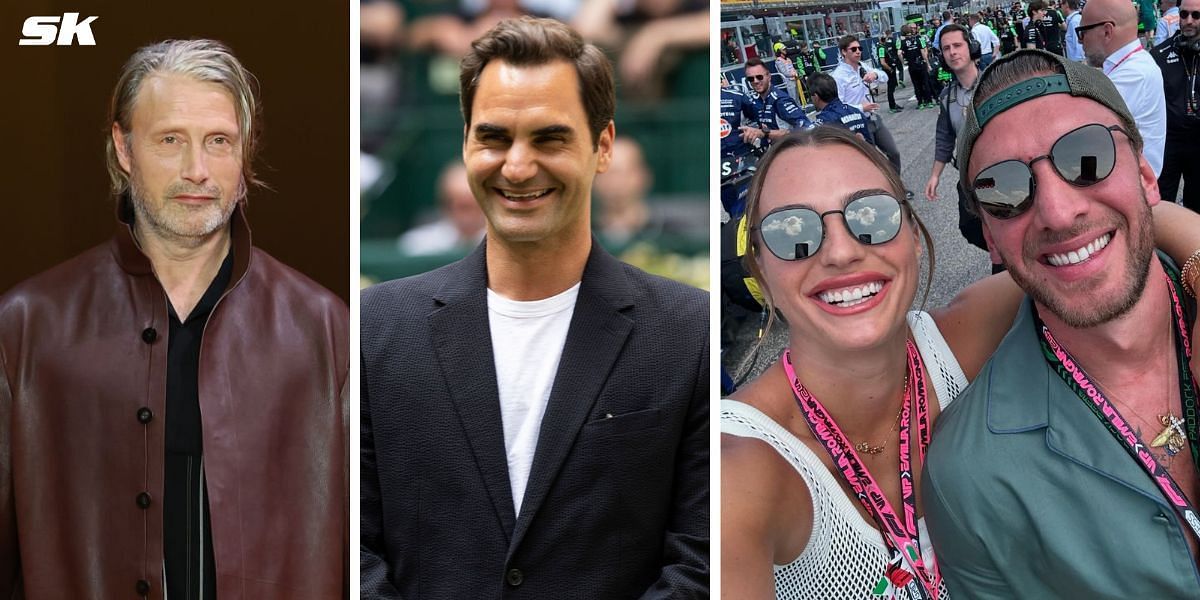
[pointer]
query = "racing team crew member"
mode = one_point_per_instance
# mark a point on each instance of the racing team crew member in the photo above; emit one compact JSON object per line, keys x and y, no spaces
{"x":1179,"y":58}
{"x":832,"y":111}
{"x":853,"y":80}
{"x":889,"y":59}
{"x":809,"y":61}
{"x":916,"y":56}
{"x":734,"y":107}
{"x":771,"y":106}
{"x":1008,"y":36}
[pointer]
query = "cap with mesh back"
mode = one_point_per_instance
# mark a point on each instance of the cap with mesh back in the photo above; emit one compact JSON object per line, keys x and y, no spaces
{"x":1077,"y":79}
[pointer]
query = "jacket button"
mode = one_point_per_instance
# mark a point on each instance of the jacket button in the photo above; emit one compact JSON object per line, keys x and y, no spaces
{"x":143,"y":587}
{"x":143,"y":500}
{"x":149,"y":335}
{"x":145,"y":415}
{"x":514,"y":577}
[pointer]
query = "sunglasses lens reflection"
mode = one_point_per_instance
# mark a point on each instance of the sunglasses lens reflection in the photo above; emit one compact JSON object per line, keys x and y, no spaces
{"x":796,"y":233}
{"x":1082,"y":157}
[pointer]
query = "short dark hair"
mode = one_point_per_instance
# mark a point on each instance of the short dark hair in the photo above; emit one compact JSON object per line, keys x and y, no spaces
{"x":1036,"y":5}
{"x":951,"y":28}
{"x":845,"y":41}
{"x":529,"y":41}
{"x":755,"y":62}
{"x":823,"y":86}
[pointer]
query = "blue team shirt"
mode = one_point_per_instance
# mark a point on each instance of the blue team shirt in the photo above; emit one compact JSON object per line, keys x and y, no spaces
{"x":776,"y":107}
{"x":734,"y":106}
{"x":840,"y":114}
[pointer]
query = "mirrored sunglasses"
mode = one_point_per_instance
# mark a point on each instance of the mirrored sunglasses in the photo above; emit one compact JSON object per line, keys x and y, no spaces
{"x":796,"y":232}
{"x":1082,"y":157}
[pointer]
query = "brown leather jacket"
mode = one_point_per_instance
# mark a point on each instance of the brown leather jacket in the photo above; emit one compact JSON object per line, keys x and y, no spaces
{"x":83,"y":355}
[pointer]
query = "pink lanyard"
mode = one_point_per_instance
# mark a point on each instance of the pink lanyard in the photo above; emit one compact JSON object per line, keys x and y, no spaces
{"x":901,"y":537}
{"x":1131,"y":53}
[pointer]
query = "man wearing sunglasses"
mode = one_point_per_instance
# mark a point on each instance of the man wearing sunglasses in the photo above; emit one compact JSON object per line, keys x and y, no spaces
{"x":772,"y":107}
{"x":1064,"y":470}
{"x":853,"y":81}
{"x":1108,"y":32}
{"x":1179,"y":59}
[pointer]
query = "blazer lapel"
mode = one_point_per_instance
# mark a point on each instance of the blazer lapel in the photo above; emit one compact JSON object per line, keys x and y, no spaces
{"x":463,"y":345}
{"x":599,"y":328}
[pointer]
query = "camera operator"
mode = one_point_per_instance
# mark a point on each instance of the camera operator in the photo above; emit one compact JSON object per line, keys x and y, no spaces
{"x":1179,"y":58}
{"x":953,"y":104}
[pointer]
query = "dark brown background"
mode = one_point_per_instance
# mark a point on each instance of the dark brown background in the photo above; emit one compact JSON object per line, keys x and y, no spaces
{"x":55,"y":201}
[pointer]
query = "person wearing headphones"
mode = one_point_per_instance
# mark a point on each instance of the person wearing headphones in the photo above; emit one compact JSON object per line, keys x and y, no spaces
{"x":959,"y":50}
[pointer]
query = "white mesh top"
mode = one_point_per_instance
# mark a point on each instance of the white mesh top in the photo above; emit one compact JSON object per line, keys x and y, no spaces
{"x":845,"y":555}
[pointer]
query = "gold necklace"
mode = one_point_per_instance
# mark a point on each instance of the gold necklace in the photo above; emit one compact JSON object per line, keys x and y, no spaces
{"x":1172,"y":435}
{"x":868,"y":448}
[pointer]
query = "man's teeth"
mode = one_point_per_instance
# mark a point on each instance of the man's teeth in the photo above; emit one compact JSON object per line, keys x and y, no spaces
{"x":851,"y":296}
{"x":1075,"y":257}
{"x":528,"y":196}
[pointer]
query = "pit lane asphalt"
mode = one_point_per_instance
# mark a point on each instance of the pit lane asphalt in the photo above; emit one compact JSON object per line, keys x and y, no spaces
{"x":958,"y":262}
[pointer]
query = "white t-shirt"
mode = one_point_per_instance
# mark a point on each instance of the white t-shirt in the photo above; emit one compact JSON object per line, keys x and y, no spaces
{"x":988,"y":42}
{"x":527,"y":343}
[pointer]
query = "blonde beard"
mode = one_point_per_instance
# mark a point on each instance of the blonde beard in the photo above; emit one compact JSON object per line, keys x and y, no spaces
{"x":180,"y":228}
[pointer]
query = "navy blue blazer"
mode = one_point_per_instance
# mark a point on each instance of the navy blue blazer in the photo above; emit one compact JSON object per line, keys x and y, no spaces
{"x":617,"y":500}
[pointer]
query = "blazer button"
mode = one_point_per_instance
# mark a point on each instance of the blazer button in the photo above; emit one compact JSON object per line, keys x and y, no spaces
{"x":149,"y":335}
{"x":143,"y":587}
{"x":145,"y":415}
{"x":514,"y":577}
{"x":143,"y":500}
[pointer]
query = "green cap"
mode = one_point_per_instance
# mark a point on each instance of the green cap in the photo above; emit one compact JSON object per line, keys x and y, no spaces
{"x":1074,"y":78}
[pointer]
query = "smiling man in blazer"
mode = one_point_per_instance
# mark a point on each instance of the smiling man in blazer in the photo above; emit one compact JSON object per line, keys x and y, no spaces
{"x":535,"y":416}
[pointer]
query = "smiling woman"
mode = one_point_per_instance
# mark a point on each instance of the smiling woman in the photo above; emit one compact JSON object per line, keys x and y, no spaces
{"x":847,"y":411}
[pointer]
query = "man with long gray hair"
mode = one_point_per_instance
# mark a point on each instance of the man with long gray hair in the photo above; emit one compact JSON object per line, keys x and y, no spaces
{"x":173,"y":402}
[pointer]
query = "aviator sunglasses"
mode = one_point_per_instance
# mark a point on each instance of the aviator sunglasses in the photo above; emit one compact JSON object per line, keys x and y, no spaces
{"x":796,"y":232}
{"x":1082,"y":157}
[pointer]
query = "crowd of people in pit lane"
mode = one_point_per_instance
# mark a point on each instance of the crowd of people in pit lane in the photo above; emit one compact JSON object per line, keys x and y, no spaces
{"x":754,"y":115}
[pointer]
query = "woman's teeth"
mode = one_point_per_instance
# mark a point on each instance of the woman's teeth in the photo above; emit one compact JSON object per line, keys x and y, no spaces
{"x":851,"y":296}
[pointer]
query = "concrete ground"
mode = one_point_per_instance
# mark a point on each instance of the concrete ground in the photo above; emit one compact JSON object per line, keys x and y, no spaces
{"x":958,"y":262}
